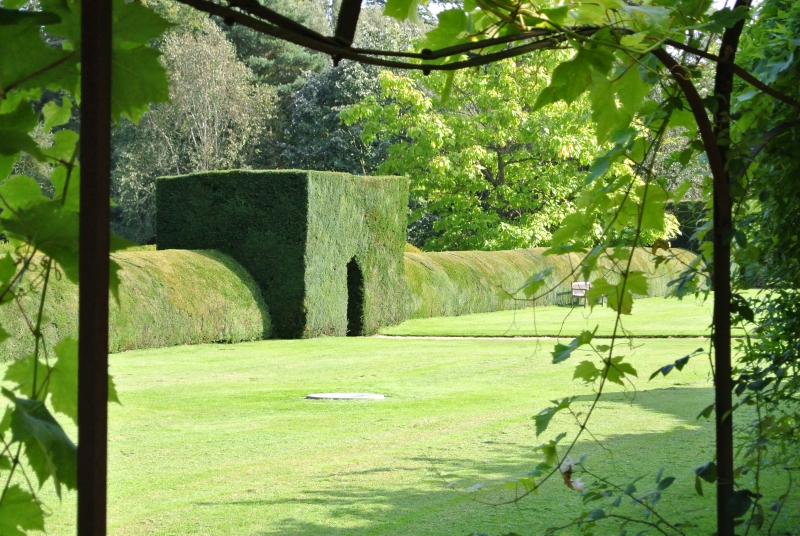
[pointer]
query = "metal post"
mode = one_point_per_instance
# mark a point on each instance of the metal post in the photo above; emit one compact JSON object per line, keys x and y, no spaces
{"x":95,"y":159}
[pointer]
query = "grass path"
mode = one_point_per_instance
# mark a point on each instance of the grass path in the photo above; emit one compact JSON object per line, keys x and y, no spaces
{"x":218,"y":439}
{"x":652,"y":317}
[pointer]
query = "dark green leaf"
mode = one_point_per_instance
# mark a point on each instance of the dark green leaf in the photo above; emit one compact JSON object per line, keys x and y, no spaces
{"x":135,"y":23}
{"x":53,"y":230}
{"x":665,"y":483}
{"x":706,"y":413}
{"x":19,"y":193}
{"x":707,"y":472}
{"x":596,"y":514}
{"x":14,"y":128}
{"x":740,"y":502}
{"x":137,"y":80}
{"x":15,"y":16}
{"x":48,"y":449}
{"x":725,"y":18}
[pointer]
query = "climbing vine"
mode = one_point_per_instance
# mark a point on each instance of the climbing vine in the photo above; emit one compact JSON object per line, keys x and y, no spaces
{"x":645,"y":69}
{"x":40,"y":48}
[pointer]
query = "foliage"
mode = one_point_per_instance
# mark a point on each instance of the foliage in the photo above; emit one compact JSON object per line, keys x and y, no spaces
{"x":496,"y":174}
{"x":211,"y":122}
{"x":314,"y":137}
{"x":767,"y":376}
{"x":296,"y":232}
{"x":621,"y":51}
{"x":693,"y":218}
{"x":43,"y":231}
{"x":276,"y":62}
{"x":464,"y":282}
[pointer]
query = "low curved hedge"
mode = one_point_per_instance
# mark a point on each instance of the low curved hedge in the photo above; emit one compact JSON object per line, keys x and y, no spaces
{"x":462,"y":282}
{"x":166,"y":298}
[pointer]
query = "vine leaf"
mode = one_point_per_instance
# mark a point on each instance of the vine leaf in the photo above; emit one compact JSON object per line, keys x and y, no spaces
{"x":19,"y":512}
{"x":14,"y":128}
{"x":586,"y":371}
{"x":20,"y":372}
{"x":562,"y":352}
{"x":544,"y":417}
{"x":55,"y":115}
{"x":741,"y":502}
{"x":64,"y":380}
{"x":569,"y":80}
{"x":402,"y":9}
{"x":50,"y":452}
{"x":137,"y":79}
{"x":617,"y":370}
{"x":52,"y":230}
{"x":452,"y":24}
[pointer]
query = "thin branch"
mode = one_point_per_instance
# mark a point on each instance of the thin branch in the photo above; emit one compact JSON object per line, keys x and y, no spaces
{"x":738,"y":71}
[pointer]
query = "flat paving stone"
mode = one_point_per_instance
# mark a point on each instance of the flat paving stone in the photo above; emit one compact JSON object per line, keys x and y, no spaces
{"x":345,"y":396}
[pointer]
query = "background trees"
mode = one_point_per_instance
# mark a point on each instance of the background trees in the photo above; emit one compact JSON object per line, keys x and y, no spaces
{"x":490,"y":172}
{"x":215,"y":120}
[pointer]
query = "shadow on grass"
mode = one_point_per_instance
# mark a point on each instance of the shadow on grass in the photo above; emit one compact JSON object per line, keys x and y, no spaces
{"x":338,"y":506}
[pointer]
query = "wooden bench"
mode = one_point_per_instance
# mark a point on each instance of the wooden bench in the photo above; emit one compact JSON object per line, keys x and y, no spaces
{"x":579,"y":289}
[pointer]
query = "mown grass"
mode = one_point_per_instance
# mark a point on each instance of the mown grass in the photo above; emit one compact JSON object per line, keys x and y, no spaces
{"x":652,"y":317}
{"x":218,"y":439}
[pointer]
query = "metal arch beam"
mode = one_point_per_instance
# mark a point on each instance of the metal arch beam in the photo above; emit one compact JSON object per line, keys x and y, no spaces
{"x":347,"y":21}
{"x":94,"y":236}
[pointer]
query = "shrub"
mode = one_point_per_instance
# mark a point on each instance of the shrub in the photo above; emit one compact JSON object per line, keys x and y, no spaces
{"x":296,"y":232}
{"x":463,"y":282}
{"x":159,"y":304}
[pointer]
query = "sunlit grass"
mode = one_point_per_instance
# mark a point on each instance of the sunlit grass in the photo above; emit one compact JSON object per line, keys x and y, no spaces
{"x":218,"y":439}
{"x":652,"y":317}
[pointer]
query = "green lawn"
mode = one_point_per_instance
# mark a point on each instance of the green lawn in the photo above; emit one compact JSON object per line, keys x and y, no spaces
{"x":652,"y":317}
{"x":219,"y":440}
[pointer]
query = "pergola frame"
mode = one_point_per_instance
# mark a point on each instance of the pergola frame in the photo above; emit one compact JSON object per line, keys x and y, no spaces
{"x":96,"y":26}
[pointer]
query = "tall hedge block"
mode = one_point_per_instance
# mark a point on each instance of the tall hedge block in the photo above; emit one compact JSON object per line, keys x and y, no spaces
{"x":299,"y":234}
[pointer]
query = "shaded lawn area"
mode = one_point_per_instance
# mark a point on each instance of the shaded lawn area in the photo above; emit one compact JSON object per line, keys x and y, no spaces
{"x":652,"y":317}
{"x":218,"y":439}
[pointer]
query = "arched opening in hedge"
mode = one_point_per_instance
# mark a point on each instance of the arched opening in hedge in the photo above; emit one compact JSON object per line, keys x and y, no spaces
{"x":355,"y":299}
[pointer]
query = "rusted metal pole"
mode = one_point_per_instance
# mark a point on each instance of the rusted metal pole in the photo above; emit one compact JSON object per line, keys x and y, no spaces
{"x":95,"y":159}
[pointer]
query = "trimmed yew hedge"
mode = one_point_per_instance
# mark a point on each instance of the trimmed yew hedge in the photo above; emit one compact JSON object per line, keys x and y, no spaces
{"x":166,"y":298}
{"x":463,"y":282}
{"x":296,"y":232}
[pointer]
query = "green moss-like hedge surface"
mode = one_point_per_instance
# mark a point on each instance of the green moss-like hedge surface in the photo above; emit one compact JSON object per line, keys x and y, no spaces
{"x":166,"y":298}
{"x":463,"y":282}
{"x":296,"y":232}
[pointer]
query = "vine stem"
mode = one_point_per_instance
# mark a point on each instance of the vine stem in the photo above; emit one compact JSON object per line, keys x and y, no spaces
{"x":721,"y":270}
